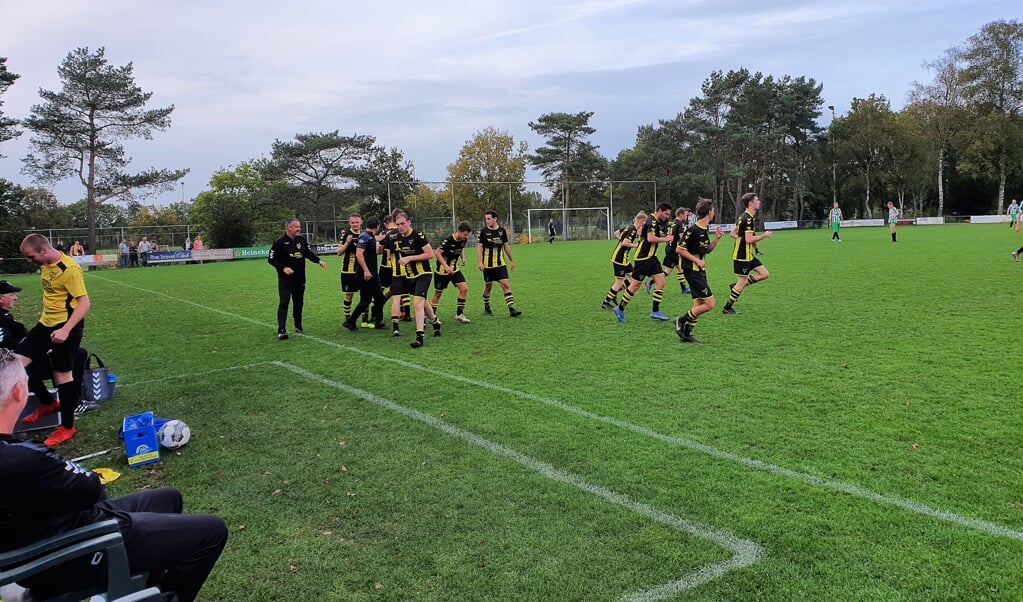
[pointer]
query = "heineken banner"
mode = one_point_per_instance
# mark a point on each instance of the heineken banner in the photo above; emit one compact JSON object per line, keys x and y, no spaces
{"x":251,"y":252}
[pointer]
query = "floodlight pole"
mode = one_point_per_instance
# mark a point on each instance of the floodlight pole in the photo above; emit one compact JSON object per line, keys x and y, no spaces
{"x":834,"y":189}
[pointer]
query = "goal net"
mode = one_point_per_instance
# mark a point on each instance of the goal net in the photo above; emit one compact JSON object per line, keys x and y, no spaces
{"x":574,"y":223}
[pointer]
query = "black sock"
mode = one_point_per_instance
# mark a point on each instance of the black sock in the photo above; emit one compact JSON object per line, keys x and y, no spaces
{"x":70,"y":394}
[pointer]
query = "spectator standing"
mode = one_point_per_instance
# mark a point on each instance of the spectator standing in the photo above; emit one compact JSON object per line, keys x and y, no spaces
{"x":77,"y":250}
{"x":133,"y":254}
{"x":144,"y":248}
{"x":122,"y":254}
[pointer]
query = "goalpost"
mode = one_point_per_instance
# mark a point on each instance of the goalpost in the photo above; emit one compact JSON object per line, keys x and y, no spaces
{"x":573,"y":223}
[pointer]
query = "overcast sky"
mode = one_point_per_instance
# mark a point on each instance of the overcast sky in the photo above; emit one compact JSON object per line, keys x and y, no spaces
{"x":424,"y":76}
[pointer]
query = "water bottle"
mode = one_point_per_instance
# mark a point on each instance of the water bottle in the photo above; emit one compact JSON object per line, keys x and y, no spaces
{"x":145,"y":419}
{"x":112,"y":378}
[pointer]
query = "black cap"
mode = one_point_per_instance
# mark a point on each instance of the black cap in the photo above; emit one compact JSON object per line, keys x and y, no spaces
{"x":7,"y":287}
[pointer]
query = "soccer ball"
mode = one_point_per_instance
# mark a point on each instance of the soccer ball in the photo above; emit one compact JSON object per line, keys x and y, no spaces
{"x":173,"y":434}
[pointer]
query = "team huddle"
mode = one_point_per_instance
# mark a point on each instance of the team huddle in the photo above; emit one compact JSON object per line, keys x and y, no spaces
{"x":390,"y":261}
{"x":687,"y":248}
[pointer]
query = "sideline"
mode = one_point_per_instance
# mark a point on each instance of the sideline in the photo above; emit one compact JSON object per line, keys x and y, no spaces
{"x":853,"y":490}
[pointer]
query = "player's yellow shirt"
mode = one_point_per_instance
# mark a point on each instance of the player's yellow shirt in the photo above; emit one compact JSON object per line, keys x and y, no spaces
{"x":63,"y":282}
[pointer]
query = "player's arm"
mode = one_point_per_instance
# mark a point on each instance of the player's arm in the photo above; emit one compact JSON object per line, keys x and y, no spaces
{"x":718,"y":234}
{"x":479,"y":255}
{"x":307,"y":252}
{"x":507,"y":251}
{"x":439,"y":255}
{"x":342,"y":245}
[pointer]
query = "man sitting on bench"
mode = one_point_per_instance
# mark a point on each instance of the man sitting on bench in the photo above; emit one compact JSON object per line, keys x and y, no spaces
{"x":45,"y":495}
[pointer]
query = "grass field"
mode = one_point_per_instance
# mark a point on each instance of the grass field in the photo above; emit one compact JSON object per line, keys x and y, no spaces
{"x":854,"y":433}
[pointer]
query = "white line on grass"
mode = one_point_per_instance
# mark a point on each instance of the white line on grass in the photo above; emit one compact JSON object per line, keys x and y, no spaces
{"x":944,"y":515}
{"x":744,"y":552}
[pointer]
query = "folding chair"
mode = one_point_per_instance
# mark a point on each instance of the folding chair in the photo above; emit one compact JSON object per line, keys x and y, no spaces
{"x":18,"y":565}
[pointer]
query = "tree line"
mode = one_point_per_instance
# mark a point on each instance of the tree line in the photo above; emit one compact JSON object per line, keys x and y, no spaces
{"x":955,"y":148}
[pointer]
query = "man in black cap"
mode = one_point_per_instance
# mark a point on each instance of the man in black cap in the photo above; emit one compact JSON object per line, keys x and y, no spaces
{"x":11,"y":330}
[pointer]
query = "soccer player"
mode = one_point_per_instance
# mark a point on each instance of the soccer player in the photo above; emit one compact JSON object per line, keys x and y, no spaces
{"x":620,"y":264}
{"x":677,"y":229}
{"x":748,"y":269}
{"x":412,"y":254}
{"x":552,"y":231}
{"x":58,"y":335}
{"x":450,"y":259}
{"x":696,"y":244}
{"x":351,"y":282}
{"x":1013,"y":213}
{"x":893,"y":219}
{"x":366,"y":252}
{"x":652,"y":233}
{"x":835,"y":218}
{"x":287,"y":256}
{"x":491,"y":248}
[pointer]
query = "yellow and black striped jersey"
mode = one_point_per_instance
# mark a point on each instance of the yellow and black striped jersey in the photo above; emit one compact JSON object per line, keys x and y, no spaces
{"x":410,"y":245}
{"x":696,"y":241}
{"x":451,"y":249}
{"x":620,"y":256}
{"x":492,"y":240}
{"x":387,"y":242}
{"x":348,"y":263}
{"x":63,"y":282}
{"x":647,"y":249}
{"x":743,"y":250}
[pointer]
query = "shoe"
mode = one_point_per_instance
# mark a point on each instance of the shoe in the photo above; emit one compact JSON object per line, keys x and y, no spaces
{"x":688,"y":338}
{"x":281,"y":335}
{"x":436,"y":328}
{"x":379,"y":326}
{"x":416,"y":344}
{"x":396,"y":333}
{"x":514,"y":312}
{"x":487,"y":311}
{"x":728,"y":311}
{"x":300,"y":330}
{"x":606,"y":305}
{"x":680,"y":324}
{"x":620,"y":314}
{"x":367,"y":325}
{"x":659,"y":315}
{"x":461,"y":318}
{"x":86,"y":406}
{"x":687,"y":291}
{"x":649,"y":285}
{"x":40,"y":412}
{"x":1015,"y":256}
{"x":349,"y":325}
{"x":60,"y":436}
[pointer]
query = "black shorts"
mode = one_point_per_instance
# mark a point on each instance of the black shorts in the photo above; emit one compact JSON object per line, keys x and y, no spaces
{"x":495,"y":274}
{"x":698,"y":286}
{"x":670,"y":260}
{"x":441,"y":280}
{"x":418,"y":286}
{"x":647,"y":267}
{"x":743,"y":268}
{"x":351,"y":283}
{"x":399,"y":286}
{"x":61,"y":356}
{"x":621,"y":271}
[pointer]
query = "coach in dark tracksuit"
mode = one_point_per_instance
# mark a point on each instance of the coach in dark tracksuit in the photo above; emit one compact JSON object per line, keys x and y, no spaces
{"x":45,"y":495}
{"x":288,"y":255}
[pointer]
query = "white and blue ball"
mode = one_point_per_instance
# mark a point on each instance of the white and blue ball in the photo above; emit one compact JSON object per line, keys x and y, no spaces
{"x":173,"y":434}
